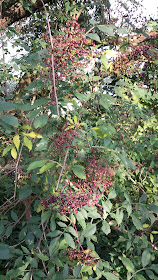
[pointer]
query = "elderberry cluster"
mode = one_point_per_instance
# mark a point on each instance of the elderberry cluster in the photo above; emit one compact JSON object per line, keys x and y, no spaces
{"x":131,"y":60}
{"x":71,"y":51}
{"x":98,"y":178}
{"x":63,"y":141}
{"x":72,"y":201}
{"x":82,"y":257}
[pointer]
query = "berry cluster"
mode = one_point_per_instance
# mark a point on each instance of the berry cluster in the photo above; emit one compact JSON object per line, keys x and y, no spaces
{"x":82,"y":257}
{"x":71,"y":51}
{"x":71,"y":201}
{"x":63,"y":141}
{"x":130,"y":61}
{"x":98,"y":178}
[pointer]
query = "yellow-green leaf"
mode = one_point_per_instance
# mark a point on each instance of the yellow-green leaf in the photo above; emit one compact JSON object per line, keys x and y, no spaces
{"x":16,"y":141}
{"x":6,"y":150}
{"x":14,"y":153}
{"x":33,"y":135}
{"x":28,"y":143}
{"x":75,"y":119}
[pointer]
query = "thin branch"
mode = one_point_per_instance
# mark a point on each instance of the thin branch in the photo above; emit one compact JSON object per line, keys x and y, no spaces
{"x":53,"y":90}
{"x":63,"y":167}
{"x":16,"y":170}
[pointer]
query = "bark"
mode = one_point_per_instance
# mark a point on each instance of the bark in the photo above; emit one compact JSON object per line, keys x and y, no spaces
{"x":15,"y":12}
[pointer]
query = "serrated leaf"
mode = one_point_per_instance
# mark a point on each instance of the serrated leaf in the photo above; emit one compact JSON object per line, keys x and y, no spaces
{"x":33,"y":135}
{"x":104,"y":60}
{"x":110,"y":276}
{"x":14,"y":153}
{"x":139,"y":277}
{"x":106,"y":227}
{"x":94,"y":37}
{"x":119,"y":216}
{"x":40,"y":121}
{"x":75,"y":119}
{"x":90,"y":230}
{"x":146,"y":256}
{"x":112,"y":194}
{"x":76,"y":270}
{"x":42,"y":257}
{"x":107,"y":29}
{"x":69,"y":240}
{"x":6,"y":150}
{"x":16,"y":141}
{"x":4,"y":252}
{"x":45,"y":167}
{"x":52,"y":224}
{"x":128,"y":264}
{"x":25,"y":192}
{"x":28,"y":143}
{"x":153,"y":208}
{"x":137,"y":222}
{"x":11,"y":120}
{"x":79,"y":171}
{"x":36,"y":164}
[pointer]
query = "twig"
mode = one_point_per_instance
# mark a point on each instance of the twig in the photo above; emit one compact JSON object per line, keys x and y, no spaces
{"x":16,"y":170}
{"x":53,"y":90}
{"x":61,"y":172}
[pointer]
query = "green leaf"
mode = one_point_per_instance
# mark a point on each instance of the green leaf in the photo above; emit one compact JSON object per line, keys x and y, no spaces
{"x":90,"y":230}
{"x":28,"y":143}
{"x":72,"y":231}
{"x":69,"y":240}
{"x":14,"y":216}
{"x":107,"y":29}
{"x":112,"y":194}
{"x":94,"y":37}
{"x":153,"y":208}
{"x":106,"y":227}
{"x":110,"y":276}
{"x":25,"y":192}
{"x":119,"y":216}
{"x":45,"y":167}
{"x":45,"y":216}
{"x":81,"y":220}
{"x":65,"y":271}
{"x":154,"y":267}
{"x":40,"y":121}
{"x":27,"y":276}
{"x":104,"y":60}
{"x":146,"y":256}
{"x":16,"y":141}
{"x":9,"y":119}
{"x":6,"y":106}
{"x":52,"y":224}
{"x":76,"y":270}
{"x":137,"y":222}
{"x":42,"y":257}
{"x":79,"y":171}
{"x":128,"y":264}
{"x":6,"y":150}
{"x":139,"y":277}
{"x":4,"y":252}
{"x":14,"y":153}
{"x":36,"y":164}
{"x":107,"y":205}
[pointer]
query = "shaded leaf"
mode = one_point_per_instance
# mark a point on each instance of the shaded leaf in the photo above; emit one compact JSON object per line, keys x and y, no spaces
{"x":69,"y":240}
{"x":25,"y":192}
{"x":36,"y":164}
{"x":128,"y":264}
{"x":79,"y":171}
{"x":146,"y":256}
{"x":11,"y":120}
{"x":40,"y":121}
{"x":106,"y":227}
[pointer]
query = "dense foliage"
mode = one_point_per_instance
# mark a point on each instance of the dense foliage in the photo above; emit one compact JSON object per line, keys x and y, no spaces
{"x":79,"y":145}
